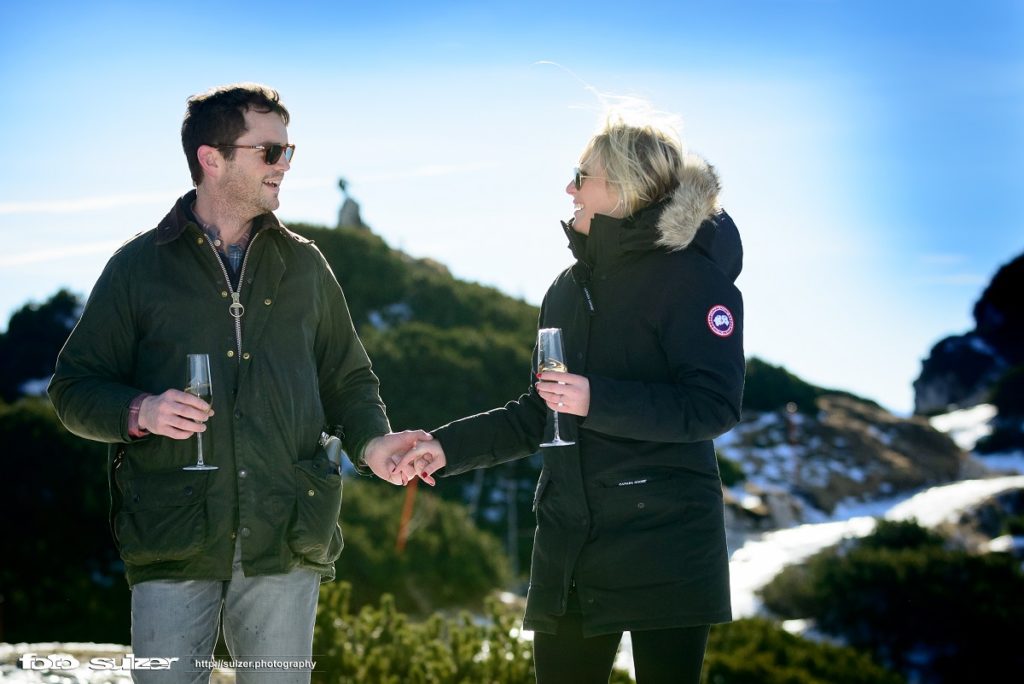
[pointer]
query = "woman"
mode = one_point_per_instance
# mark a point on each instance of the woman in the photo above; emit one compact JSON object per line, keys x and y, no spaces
{"x":630,"y":532}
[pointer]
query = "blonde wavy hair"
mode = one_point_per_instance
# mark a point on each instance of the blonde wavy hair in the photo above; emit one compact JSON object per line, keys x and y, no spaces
{"x":642,"y":160}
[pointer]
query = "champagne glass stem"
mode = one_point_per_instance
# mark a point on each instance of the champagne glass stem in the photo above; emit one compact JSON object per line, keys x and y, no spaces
{"x":199,"y":441}
{"x":557,"y":437}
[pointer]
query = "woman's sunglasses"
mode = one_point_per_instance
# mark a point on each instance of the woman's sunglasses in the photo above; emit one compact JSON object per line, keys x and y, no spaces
{"x":578,"y":176}
{"x":271,"y":151}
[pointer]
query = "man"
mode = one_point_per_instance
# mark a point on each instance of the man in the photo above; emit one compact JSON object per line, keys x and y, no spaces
{"x":249,"y":542}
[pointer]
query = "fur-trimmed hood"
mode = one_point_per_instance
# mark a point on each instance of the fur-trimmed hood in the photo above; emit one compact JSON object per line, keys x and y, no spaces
{"x":693,"y":202}
{"x":672,"y":224}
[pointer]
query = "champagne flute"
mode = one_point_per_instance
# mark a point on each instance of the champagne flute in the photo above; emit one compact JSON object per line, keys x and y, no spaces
{"x":198,"y":383}
{"x":551,"y":357}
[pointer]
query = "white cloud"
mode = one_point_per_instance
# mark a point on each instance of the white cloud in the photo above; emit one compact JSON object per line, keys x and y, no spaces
{"x":942,"y":259}
{"x":55,"y":254}
{"x":974,"y":280}
{"x":429,"y":171}
{"x":71,"y":206}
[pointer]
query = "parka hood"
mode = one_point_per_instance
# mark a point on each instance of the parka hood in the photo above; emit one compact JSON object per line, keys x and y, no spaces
{"x":692,"y":203}
{"x":674,"y":223}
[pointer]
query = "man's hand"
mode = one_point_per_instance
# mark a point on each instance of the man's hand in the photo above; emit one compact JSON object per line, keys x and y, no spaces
{"x":565,"y":392}
{"x":422,"y":461}
{"x":174,"y":414}
{"x":383,"y":453}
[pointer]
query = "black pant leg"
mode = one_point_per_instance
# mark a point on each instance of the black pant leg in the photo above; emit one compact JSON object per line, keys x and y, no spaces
{"x":568,"y":658}
{"x":669,"y":656}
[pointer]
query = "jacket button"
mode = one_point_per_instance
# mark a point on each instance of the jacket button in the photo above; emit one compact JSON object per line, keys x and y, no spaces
{"x":243,"y":473}
{"x":245,"y":532}
{"x":199,"y":241}
{"x":268,"y":301}
{"x":231,"y":353}
{"x":310,"y":493}
{"x":188,"y":490}
{"x":641,"y":505}
{"x":224,"y":294}
{"x":246,"y":355}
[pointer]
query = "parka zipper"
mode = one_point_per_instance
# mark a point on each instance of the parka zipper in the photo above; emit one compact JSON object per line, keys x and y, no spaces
{"x":236,"y":308}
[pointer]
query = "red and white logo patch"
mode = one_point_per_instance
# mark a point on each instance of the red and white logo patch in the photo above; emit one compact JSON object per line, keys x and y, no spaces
{"x":720,"y":321}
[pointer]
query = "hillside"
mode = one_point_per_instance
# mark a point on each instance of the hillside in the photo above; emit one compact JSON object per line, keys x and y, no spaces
{"x":444,"y":348}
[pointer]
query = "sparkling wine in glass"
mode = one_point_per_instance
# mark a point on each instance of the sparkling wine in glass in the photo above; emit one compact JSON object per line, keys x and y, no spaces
{"x":551,"y":357}
{"x":197,"y":383}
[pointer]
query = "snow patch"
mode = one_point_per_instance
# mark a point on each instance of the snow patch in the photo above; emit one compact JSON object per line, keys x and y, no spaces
{"x":966,"y":426}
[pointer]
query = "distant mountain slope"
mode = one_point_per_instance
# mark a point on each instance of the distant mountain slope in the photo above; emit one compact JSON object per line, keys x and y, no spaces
{"x":983,"y":365}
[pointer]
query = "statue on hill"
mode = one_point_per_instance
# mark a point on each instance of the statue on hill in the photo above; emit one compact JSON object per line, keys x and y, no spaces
{"x":348,"y":215}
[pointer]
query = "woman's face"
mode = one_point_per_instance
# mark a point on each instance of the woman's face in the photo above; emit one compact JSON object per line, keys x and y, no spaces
{"x":594,"y":196}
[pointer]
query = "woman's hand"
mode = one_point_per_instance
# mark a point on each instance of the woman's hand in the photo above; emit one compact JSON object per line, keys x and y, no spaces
{"x":564,"y":392}
{"x":422,"y":460}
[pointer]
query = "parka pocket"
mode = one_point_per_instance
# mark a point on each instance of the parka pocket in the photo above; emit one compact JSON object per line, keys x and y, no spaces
{"x":315,"y":534}
{"x":162,"y":516}
{"x":639,"y":505}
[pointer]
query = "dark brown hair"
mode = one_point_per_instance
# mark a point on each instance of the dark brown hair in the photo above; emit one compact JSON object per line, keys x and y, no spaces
{"x":217,"y":117}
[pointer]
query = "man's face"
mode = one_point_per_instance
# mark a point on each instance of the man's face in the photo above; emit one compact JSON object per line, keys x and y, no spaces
{"x":250,"y":185}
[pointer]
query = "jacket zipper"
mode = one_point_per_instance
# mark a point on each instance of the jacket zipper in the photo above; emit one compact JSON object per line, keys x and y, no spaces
{"x":236,"y":308}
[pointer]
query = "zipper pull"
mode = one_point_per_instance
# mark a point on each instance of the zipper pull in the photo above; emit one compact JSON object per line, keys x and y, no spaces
{"x":236,"y":309}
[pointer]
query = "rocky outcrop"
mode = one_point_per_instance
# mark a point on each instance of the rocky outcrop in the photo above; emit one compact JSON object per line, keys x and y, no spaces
{"x":962,"y":370}
{"x":799,"y":468}
{"x":994,"y":525}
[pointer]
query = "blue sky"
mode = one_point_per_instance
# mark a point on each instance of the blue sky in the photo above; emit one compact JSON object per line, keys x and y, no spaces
{"x":869,"y":150}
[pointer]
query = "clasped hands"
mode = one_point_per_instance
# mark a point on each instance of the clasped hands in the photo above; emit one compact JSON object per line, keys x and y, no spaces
{"x":400,"y":457}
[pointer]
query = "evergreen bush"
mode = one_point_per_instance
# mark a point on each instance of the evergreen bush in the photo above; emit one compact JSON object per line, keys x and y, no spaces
{"x":757,"y":651}
{"x":941,"y":614}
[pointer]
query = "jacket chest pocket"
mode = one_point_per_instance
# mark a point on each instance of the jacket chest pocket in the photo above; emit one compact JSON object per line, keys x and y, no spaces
{"x":163,"y":516}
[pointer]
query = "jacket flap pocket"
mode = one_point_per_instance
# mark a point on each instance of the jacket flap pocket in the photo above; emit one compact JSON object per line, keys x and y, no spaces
{"x":165,"y":489}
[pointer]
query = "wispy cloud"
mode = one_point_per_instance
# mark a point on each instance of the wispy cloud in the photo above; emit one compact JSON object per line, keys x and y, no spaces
{"x":429,"y":171}
{"x":42,"y":255}
{"x":958,"y":279}
{"x":83,"y":204}
{"x":942,"y":259}
{"x":72,"y":206}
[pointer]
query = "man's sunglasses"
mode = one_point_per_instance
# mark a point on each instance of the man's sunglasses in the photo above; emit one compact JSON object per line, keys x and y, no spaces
{"x":271,"y":152}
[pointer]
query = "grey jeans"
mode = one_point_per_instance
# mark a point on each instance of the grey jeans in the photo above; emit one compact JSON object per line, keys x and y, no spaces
{"x":268,"y":627}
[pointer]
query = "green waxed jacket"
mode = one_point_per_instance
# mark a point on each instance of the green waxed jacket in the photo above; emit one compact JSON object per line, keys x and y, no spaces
{"x":291,"y":366}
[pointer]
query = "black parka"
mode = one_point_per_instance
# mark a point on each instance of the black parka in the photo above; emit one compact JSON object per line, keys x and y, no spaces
{"x":632,"y":515}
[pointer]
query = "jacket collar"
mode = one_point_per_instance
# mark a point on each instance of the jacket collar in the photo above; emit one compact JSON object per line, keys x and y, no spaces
{"x":179,"y":217}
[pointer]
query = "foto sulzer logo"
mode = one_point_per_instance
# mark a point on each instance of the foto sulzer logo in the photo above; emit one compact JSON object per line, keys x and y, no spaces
{"x":63,"y":661}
